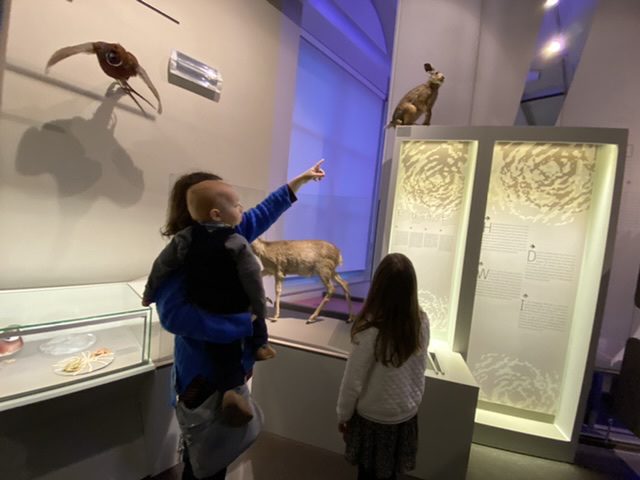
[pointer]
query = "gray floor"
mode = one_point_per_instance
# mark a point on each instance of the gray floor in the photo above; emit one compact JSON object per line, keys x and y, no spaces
{"x":276,"y":458}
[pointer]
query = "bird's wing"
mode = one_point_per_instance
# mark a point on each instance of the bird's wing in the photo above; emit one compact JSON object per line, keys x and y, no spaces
{"x":68,"y":51}
{"x":147,"y":80}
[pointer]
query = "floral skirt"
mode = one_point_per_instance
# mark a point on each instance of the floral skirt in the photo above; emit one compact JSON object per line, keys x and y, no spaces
{"x":382,"y":449}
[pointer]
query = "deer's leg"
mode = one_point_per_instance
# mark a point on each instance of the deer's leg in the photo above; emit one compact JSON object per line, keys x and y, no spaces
{"x":347,"y":293}
{"x":278,"y":287}
{"x":330,"y":289}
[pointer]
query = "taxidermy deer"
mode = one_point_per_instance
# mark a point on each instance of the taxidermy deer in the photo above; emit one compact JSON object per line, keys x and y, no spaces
{"x":418,"y":100}
{"x":116,"y":62}
{"x":305,"y":258}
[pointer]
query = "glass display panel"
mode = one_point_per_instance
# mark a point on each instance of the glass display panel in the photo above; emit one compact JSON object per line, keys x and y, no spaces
{"x":48,"y":306}
{"x":429,"y":222}
{"x":54,"y":337}
{"x":538,"y":275}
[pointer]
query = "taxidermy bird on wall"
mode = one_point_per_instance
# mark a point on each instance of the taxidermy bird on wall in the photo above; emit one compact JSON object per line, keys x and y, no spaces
{"x":116,"y":62}
{"x":418,"y":100}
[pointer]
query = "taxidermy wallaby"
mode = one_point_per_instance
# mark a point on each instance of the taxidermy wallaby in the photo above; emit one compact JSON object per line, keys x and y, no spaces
{"x":418,"y":100}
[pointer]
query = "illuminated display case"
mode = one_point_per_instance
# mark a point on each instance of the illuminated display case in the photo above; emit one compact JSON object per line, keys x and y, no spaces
{"x":532,"y":240}
{"x":55,"y":341}
{"x":429,"y":202}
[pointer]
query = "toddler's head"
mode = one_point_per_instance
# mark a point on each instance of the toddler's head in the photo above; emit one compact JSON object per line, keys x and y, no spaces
{"x":178,"y":216}
{"x":214,"y":201}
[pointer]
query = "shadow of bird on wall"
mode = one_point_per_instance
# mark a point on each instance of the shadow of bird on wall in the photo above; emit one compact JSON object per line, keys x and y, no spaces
{"x":116,"y":62}
{"x":83,"y":156}
{"x":87,"y":165}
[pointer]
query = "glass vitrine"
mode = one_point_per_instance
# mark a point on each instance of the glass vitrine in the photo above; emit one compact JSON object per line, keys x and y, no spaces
{"x":511,"y":231}
{"x":429,"y":204}
{"x":545,"y":231}
{"x":58,"y":340}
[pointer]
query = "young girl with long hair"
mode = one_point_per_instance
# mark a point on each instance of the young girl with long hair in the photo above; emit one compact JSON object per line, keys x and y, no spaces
{"x":383,"y":381}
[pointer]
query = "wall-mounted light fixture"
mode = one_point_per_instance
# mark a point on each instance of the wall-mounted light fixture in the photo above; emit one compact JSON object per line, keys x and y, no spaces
{"x":198,"y":77}
{"x":550,"y":3}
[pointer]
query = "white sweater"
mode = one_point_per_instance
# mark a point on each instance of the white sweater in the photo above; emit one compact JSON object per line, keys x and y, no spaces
{"x":382,"y":394}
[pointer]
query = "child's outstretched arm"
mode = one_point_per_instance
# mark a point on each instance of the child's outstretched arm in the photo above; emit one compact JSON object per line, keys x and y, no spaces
{"x":315,"y":173}
{"x":257,"y":220}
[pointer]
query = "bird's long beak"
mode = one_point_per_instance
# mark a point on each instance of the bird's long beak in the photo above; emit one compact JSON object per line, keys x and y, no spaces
{"x":147,"y":80}
{"x":68,"y":51}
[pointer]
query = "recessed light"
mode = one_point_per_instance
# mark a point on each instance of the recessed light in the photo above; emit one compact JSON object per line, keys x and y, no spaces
{"x":553,"y":47}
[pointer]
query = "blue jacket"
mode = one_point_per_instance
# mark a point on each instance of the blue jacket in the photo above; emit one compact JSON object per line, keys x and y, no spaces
{"x":194,"y":328}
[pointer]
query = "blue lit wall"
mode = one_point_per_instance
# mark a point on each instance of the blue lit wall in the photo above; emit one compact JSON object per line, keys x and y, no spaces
{"x":339,"y":119}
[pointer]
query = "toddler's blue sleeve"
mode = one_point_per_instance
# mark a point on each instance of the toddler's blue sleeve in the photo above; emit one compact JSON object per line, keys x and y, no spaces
{"x":257,"y":220}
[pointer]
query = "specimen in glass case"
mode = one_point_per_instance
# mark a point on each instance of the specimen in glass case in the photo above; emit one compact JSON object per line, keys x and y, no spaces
{"x":86,"y":362}
{"x":68,"y":344}
{"x":10,"y":341}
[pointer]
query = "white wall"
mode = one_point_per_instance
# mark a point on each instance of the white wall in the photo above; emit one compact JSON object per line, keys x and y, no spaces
{"x":506,"y":47}
{"x":84,"y":185}
{"x":604,"y":93}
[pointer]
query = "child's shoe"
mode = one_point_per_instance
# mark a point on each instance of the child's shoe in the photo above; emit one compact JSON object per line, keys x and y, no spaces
{"x":236,"y":411}
{"x":265,"y":352}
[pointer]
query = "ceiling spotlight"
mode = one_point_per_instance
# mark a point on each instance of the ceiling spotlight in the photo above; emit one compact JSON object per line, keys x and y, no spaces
{"x":553,"y":47}
{"x":550,"y":3}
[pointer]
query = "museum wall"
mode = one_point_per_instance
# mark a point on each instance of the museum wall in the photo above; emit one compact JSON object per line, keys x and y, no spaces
{"x":84,"y":178}
{"x":604,"y":93}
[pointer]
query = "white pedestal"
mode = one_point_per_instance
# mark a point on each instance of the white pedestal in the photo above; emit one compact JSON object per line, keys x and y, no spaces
{"x":298,"y":391}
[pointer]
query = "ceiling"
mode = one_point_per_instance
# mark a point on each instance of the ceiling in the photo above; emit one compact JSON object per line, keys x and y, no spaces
{"x":550,"y":76}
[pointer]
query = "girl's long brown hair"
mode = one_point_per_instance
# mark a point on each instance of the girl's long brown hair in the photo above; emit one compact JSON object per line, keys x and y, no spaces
{"x":392,"y":307}
{"x":178,"y":216}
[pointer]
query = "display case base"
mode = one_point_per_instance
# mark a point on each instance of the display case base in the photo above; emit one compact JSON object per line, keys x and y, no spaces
{"x":337,"y":307}
{"x":298,"y":391}
{"x":124,"y":429}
